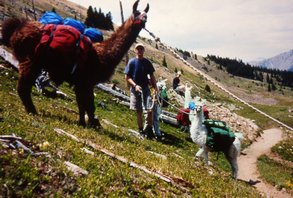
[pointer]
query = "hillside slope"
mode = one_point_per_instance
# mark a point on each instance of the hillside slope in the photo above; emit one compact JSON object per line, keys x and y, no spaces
{"x":26,"y":175}
{"x":104,"y":172}
{"x":251,"y":91}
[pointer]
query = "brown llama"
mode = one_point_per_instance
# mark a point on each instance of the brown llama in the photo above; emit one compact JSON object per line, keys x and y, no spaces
{"x":83,"y":66}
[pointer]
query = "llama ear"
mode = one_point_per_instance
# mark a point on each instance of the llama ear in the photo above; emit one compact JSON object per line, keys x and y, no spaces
{"x":134,"y":8}
{"x":147,"y":8}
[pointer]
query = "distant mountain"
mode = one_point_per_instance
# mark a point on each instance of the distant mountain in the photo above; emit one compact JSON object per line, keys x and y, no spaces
{"x":283,"y":61}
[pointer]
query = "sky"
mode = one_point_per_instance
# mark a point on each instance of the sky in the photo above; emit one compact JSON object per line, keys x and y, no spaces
{"x":249,"y":30}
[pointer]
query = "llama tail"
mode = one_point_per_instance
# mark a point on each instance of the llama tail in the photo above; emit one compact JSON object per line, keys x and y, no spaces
{"x":9,"y":26}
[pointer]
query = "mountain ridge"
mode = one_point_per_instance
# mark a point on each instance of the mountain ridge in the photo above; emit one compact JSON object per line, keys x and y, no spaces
{"x":282,"y":61}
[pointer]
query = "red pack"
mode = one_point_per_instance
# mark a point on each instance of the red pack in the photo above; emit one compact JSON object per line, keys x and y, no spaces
{"x":205,"y":112}
{"x":183,"y":117}
{"x":63,"y":38}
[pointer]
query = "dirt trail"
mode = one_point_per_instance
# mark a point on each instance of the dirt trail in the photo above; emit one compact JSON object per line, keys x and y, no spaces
{"x":248,"y":167}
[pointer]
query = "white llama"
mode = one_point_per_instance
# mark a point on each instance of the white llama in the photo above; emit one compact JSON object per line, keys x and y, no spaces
{"x":198,"y":134}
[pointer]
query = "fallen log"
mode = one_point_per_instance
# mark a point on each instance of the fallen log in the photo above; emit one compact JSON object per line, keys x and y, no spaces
{"x":7,"y":56}
{"x":172,"y":180}
{"x":113,"y":92}
{"x":169,"y":114}
{"x":168,"y":120}
{"x":75,"y":169}
{"x":10,"y":137}
{"x":166,"y":117}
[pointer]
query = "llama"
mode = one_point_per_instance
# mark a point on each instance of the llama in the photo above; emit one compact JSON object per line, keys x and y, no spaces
{"x":82,"y":68}
{"x":198,"y":134}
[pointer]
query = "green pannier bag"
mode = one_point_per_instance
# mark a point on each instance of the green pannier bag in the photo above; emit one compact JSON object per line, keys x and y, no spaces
{"x":220,"y":136}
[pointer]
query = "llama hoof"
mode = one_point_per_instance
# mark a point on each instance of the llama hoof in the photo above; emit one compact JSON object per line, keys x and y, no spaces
{"x":253,"y":182}
{"x":32,"y":111}
{"x":82,"y":123}
{"x":95,"y":123}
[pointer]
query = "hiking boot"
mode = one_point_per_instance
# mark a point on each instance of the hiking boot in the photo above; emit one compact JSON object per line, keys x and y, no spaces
{"x":159,"y":138}
{"x":149,"y":132}
{"x":142,"y":133}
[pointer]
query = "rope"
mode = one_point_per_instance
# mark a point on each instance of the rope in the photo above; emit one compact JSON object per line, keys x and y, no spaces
{"x":174,"y":106}
{"x":157,"y":39}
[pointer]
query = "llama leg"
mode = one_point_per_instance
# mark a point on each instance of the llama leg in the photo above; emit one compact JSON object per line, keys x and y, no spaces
{"x":85,"y":100}
{"x":203,"y":152}
{"x":206,"y":156}
{"x":81,"y":107}
{"x":27,"y":75}
{"x":232,"y":159}
{"x":90,"y":109}
{"x":199,"y":153}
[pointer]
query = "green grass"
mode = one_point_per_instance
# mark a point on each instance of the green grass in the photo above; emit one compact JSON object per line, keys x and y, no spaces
{"x":23,"y":175}
{"x":275,"y":173}
{"x":280,"y":112}
{"x":28,"y":176}
{"x":285,"y":149}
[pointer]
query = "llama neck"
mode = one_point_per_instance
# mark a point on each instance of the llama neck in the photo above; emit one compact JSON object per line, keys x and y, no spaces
{"x":187,"y":96}
{"x":111,"y":51}
{"x":198,"y":120}
{"x":198,"y":131}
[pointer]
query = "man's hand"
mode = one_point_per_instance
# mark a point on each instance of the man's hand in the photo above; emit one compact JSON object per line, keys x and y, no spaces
{"x":156,"y":91}
{"x":138,"y":88}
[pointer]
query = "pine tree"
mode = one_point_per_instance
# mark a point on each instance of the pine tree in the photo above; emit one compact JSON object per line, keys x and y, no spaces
{"x":260,"y":76}
{"x":274,"y":86}
{"x":164,"y":62}
{"x":207,"y":88}
{"x":98,"y":19}
{"x":268,"y":78}
{"x":269,"y":88}
{"x":89,"y":21}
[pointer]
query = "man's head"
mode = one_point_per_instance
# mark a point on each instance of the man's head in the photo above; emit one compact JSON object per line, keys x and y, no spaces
{"x":139,"y":48}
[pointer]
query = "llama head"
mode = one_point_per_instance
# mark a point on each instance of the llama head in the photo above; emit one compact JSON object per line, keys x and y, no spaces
{"x":161,"y":84}
{"x":139,"y":18}
{"x":197,"y":129}
{"x":196,"y":113}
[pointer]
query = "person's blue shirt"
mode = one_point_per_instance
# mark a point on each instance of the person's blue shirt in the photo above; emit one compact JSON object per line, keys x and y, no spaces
{"x":138,"y":69}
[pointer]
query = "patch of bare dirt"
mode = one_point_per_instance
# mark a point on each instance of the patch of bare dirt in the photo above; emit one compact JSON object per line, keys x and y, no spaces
{"x":248,"y":163}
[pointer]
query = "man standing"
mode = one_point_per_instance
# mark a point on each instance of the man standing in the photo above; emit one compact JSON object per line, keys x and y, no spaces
{"x":136,"y":75}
